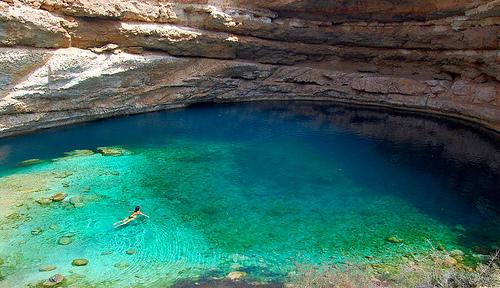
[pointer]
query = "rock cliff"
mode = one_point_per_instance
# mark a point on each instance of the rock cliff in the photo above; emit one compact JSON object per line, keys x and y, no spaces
{"x":66,"y":61}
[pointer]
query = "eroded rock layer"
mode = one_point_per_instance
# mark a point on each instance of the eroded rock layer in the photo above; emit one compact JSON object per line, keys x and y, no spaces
{"x":66,"y":61}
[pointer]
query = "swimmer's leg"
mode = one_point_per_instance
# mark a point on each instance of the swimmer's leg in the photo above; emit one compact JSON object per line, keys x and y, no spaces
{"x":124,"y":222}
{"x":121,"y":221}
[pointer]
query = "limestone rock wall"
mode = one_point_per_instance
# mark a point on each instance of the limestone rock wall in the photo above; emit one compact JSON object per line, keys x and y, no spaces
{"x":66,"y":61}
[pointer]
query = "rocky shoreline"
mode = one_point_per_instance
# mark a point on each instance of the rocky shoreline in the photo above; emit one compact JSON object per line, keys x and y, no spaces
{"x":73,"y":61}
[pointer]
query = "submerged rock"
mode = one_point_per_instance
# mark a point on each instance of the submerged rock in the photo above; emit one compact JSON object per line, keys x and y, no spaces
{"x":122,"y":265}
{"x":36,"y":231}
{"x":54,"y":227}
{"x":44,"y":201}
{"x":79,"y":152}
{"x":29,"y":162}
{"x":112,"y":151}
{"x":107,"y":253}
{"x":236,"y":275}
{"x":54,"y":280}
{"x":47,"y":268}
{"x":130,"y":251}
{"x":76,"y":201}
{"x":59,"y":196}
{"x":1,"y":261}
{"x":80,"y":262}
{"x":394,"y":239}
{"x":63,"y":175}
{"x":65,"y":240}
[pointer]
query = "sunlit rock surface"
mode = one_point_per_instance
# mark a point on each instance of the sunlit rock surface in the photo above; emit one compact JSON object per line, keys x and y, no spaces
{"x":71,"y":61}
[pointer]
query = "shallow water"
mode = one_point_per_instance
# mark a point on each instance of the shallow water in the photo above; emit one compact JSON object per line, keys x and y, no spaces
{"x":258,"y":187}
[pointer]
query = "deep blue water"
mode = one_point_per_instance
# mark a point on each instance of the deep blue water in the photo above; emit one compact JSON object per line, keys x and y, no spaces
{"x":303,"y":164}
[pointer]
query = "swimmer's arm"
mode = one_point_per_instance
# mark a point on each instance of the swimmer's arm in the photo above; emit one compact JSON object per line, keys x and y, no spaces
{"x":144,"y":215}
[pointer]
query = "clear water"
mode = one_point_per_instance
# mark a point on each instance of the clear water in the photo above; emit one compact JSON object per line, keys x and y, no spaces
{"x":255,"y":187}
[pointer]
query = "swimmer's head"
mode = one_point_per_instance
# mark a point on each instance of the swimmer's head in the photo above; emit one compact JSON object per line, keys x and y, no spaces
{"x":137,"y":208}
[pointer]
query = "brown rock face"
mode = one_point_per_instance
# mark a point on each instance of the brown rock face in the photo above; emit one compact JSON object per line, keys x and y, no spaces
{"x":69,"y":61}
{"x":391,"y":10}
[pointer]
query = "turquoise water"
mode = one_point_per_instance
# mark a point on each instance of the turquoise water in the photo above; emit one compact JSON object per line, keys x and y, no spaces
{"x":259,"y":188}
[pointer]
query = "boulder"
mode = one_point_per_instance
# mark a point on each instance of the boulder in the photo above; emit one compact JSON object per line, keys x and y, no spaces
{"x":80,"y":262}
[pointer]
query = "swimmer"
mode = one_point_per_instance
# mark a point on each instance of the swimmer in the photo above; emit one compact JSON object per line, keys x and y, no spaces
{"x":130,"y":218}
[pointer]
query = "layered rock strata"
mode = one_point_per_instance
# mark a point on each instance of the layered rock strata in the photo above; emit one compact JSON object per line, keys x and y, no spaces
{"x":66,"y":61}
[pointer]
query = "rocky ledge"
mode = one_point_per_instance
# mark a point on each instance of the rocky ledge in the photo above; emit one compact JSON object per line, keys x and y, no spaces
{"x":67,"y":61}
